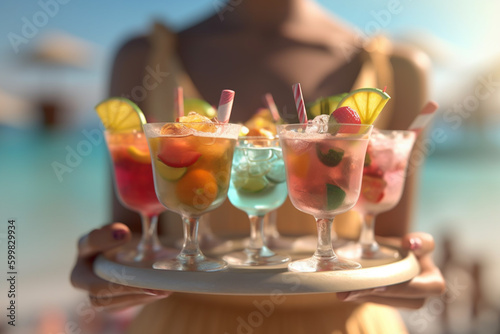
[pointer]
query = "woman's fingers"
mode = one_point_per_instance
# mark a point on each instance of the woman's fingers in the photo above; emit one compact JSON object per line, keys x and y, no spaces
{"x":103,"y":239}
{"x":413,"y":293}
{"x":420,"y":243}
{"x":95,"y":242}
{"x":83,"y":277}
{"x":422,"y":286}
{"x":102,"y":293}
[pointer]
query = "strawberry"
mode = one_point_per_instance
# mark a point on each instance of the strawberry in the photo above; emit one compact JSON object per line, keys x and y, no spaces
{"x":373,"y":188}
{"x":178,"y":154}
{"x":370,"y":168}
{"x":343,"y":115}
{"x":373,"y":171}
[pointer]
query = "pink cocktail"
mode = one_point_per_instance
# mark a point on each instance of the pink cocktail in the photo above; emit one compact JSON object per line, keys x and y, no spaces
{"x":134,"y":185}
{"x":384,"y":176}
{"x":134,"y":177}
{"x":324,"y":179}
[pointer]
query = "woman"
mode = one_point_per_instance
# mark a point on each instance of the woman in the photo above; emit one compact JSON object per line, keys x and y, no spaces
{"x":256,"y":47}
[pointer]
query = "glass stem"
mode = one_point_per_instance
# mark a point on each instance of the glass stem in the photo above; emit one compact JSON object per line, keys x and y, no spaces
{"x":256,"y":232}
{"x":149,"y":243}
{"x":270,"y":226}
{"x":367,"y":237}
{"x":191,"y":247}
{"x":324,"y":248}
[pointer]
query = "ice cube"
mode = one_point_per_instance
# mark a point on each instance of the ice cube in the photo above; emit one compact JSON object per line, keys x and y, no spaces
{"x":319,"y":124}
{"x":176,"y":129}
{"x":383,"y":158}
{"x":258,"y":155}
{"x":259,"y":169}
{"x":299,"y":146}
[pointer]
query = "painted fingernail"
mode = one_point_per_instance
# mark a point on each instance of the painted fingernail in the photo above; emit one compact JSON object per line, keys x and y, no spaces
{"x":415,"y":243}
{"x":119,"y":234}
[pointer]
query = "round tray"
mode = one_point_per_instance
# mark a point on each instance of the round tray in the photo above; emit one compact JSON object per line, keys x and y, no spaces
{"x":260,"y":281}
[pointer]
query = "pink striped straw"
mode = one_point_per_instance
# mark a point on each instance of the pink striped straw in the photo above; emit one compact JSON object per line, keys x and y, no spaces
{"x":272,"y":107}
{"x":424,"y":117}
{"x":225,"y":106}
{"x":179,"y":102}
{"x":299,"y":103}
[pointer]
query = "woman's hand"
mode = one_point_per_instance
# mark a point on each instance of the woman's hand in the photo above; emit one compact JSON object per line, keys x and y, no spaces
{"x":103,"y":293}
{"x":411,"y":294}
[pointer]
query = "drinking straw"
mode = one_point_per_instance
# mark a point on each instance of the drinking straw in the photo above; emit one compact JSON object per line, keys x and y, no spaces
{"x":299,"y":103}
{"x":225,"y":106}
{"x":179,"y":102}
{"x":424,"y":117}
{"x":272,"y":107}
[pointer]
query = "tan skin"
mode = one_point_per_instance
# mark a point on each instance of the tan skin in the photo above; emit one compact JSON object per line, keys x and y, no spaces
{"x":255,"y":51}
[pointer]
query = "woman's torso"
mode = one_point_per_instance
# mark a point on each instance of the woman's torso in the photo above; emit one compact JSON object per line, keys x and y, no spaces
{"x":205,"y":78}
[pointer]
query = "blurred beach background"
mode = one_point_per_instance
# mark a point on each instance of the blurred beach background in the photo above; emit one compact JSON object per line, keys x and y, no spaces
{"x":55,"y":59}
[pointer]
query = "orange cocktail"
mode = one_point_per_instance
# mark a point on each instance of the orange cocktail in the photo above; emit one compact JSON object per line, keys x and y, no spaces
{"x":192,"y":167}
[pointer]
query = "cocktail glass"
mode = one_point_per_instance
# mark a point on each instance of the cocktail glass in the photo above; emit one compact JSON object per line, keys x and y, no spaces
{"x":134,"y":186}
{"x":257,"y":187}
{"x":192,"y":167}
{"x":384,"y":176}
{"x":323,"y":173}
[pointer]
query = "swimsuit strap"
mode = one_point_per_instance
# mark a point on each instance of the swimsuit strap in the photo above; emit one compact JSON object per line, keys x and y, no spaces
{"x":163,"y":55}
{"x":376,"y":71}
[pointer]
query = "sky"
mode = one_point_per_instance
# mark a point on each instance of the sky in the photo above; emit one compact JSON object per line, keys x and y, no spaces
{"x":106,"y":22}
{"x":465,"y":31}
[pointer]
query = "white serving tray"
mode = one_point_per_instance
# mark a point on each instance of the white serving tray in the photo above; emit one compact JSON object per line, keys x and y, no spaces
{"x":260,"y":281}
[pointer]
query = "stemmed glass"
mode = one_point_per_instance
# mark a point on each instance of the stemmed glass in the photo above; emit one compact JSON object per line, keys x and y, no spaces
{"x":192,"y":166}
{"x":298,"y":244}
{"x":384,"y":176}
{"x":323,"y":172}
{"x":134,"y":186}
{"x":257,"y":187}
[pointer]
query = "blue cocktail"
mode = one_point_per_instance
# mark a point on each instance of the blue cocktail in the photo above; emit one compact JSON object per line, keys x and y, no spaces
{"x":258,"y":186}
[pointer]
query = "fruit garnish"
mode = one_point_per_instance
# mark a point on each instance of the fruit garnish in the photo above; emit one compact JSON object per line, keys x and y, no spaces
{"x":324,"y":105}
{"x":185,"y":125}
{"x":330,"y":157}
{"x":261,"y":120}
{"x":139,"y":155}
{"x":194,"y":117}
{"x":169,"y":173}
{"x":343,"y":115}
{"x":335,"y":196}
{"x":373,"y":188}
{"x":251,"y":184}
{"x":197,"y":188}
{"x":243,"y":131}
{"x":178,"y":154}
{"x":368,"y":102}
{"x":177,"y":129}
{"x":198,"y":122}
{"x":299,"y":164}
{"x":199,"y":106}
{"x":119,"y":114}
{"x":370,"y":168}
{"x":368,"y":160}
{"x":260,"y":133}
